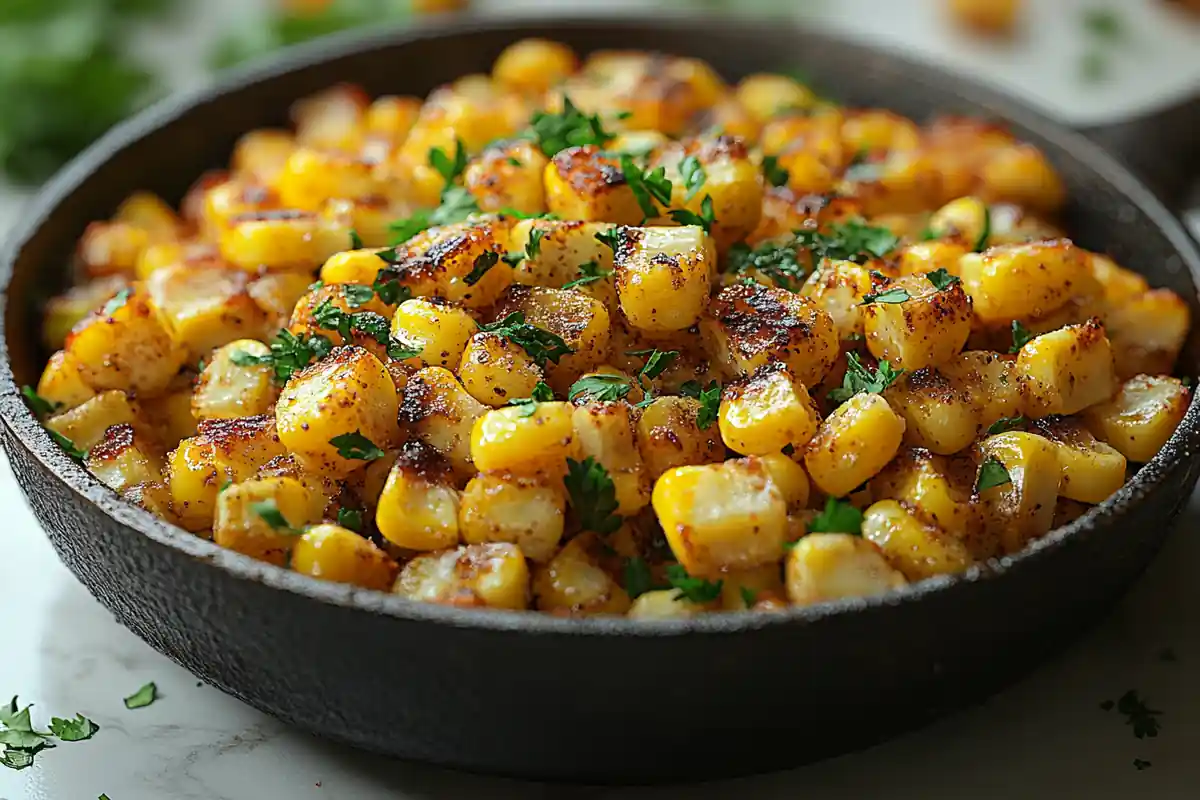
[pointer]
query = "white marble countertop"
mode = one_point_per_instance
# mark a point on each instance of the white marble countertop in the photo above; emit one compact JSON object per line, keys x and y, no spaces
{"x":1045,"y":738}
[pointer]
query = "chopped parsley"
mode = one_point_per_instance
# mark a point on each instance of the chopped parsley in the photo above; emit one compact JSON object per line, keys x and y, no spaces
{"x":1005,"y":424}
{"x":568,"y":128}
{"x":985,"y":233}
{"x":839,"y":516}
{"x":449,"y":168}
{"x":1140,"y":764}
{"x":40,"y":405}
{"x":749,"y":596}
{"x":589,"y":272}
{"x":268,"y":511}
{"x":647,"y":186}
{"x":1020,"y":336}
{"x":697,"y":590}
{"x":387,"y":284}
{"x":73,"y":730}
{"x":992,"y":473}
{"x":541,"y":345}
{"x":704,"y":219}
{"x":514,"y":161}
{"x":638,"y":579}
{"x":357,"y":447}
{"x":859,"y":379}
{"x":541,"y":394}
{"x":600,"y":387}
{"x":509,"y":211}
{"x":142,"y":697}
{"x":775,"y":260}
{"x":891,"y":296}
{"x":483,"y":262}
{"x":331,"y":318}
{"x":116,"y":302}
{"x":456,"y":205}
{"x":357,"y":296}
{"x":533,"y":247}
{"x":593,"y":495}
{"x":853,"y":240}
{"x":67,"y":445}
{"x":351,"y":519}
{"x":1138,"y":715}
{"x":694,"y":176}
{"x":775,"y":174}
{"x":400,"y":351}
{"x":289,"y":354}
{"x":941,"y":279}
{"x":710,"y":401}
{"x":610,"y":238}
{"x":356,"y":242}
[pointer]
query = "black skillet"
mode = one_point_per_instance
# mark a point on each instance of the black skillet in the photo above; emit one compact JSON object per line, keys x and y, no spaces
{"x":594,"y":699}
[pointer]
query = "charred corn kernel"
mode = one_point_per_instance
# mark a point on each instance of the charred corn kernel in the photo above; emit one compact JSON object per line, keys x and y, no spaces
{"x":838,"y":289}
{"x":669,"y":436}
{"x":527,"y":511}
{"x":246,"y":521}
{"x":508,"y":176}
{"x":584,"y":183}
{"x":768,"y":412}
{"x":439,"y":261}
{"x":1019,"y":281}
{"x":1148,"y":332}
{"x":936,"y":489}
{"x":348,"y":393}
{"x":111,"y":248}
{"x":928,"y":327}
{"x":147,"y":211}
{"x":663,"y":277}
{"x":419,"y":506}
{"x":352,"y":266}
{"x":1023,"y":508}
{"x":497,"y":371}
{"x":765,"y":95}
{"x":1066,"y":371}
{"x":966,"y":219}
{"x":533,"y":66}
{"x":205,"y":308}
{"x":85,"y":424}
{"x":310,"y":177}
{"x":510,"y":438}
{"x":916,"y":549}
{"x":332,"y":553}
{"x":604,"y":432}
{"x":64,"y":312}
{"x":475,"y":576}
{"x":441,"y":413}
{"x":153,"y":497}
{"x":1142,"y":415}
{"x":749,"y":326}
{"x":193,"y":483}
{"x":790,"y":478}
{"x":1021,"y":174}
{"x":664,"y":604}
{"x":721,"y":516}
{"x":123,"y":459}
{"x":853,"y":444}
{"x":227,"y":389}
{"x":62,"y":384}
{"x":733,"y":184}
{"x":1091,"y":469}
{"x":564,"y":249}
{"x":439,"y":330}
{"x":759,"y":584}
{"x":582,"y":322}
{"x":171,"y":414}
{"x":277,"y":295}
{"x":167,"y":254}
{"x":281,"y":241}
{"x":573,"y":583}
{"x":220,"y":202}
{"x":939,"y":412}
{"x":240,"y":447}
{"x":832,"y":566}
{"x":989,"y":380}
{"x":988,"y":16}
{"x":125,"y":346}
{"x":260,"y":155}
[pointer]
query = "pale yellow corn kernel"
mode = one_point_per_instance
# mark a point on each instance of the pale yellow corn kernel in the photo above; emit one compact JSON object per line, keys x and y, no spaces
{"x":733,"y":184}
{"x":1019,"y":281}
{"x":111,"y":248}
{"x":534,"y":66}
{"x":1091,"y":469}
{"x":123,"y":459}
{"x":277,"y":294}
{"x":64,"y":312}
{"x":573,"y":583}
{"x":564,"y":251}
{"x":278,"y":241}
{"x":604,"y":432}
{"x":228,"y":389}
{"x":527,"y":511}
{"x":513,"y":439}
{"x":496,"y":370}
{"x":939,"y":412}
{"x":390,"y":118}
{"x":148,"y":212}
{"x":853,"y":444}
{"x":260,"y":155}
{"x":439,"y":261}
{"x":927,"y":328}
{"x":153,"y":497}
{"x":938,"y":490}
{"x":474,"y":576}
{"x":838,"y":289}
{"x":1022,"y":509}
{"x":765,"y":95}
{"x":171,"y":414}
{"x":240,"y":447}
{"x":439,"y":330}
{"x":768,"y":412}
{"x":419,"y":507}
{"x":508,"y":176}
{"x":749,"y":326}
{"x":310,"y":177}
{"x":582,"y":183}
{"x":873,"y":130}
{"x":330,"y":118}
{"x":925,"y":257}
{"x":790,"y":478}
{"x":834,"y":566}
{"x":216,"y":201}
{"x":917,"y":549}
{"x":161,"y":255}
{"x":989,"y":381}
{"x":62,"y":384}
{"x":1021,"y":174}
{"x":205,"y":308}
{"x":441,"y":413}
{"x":966,"y":219}
{"x":718,"y":517}
{"x":582,"y":322}
{"x":193,"y":483}
{"x":353,"y":266}
{"x":369,"y":217}
{"x":762,"y":584}
{"x":246,"y":520}
{"x":734,"y":119}
{"x":126,"y":346}
{"x":85,"y":424}
{"x":663,"y":277}
{"x":669,"y":435}
{"x":1119,"y":284}
{"x":664,"y":604}
{"x":1065,"y":371}
{"x":327,"y":494}
{"x":349,"y":392}
{"x":1148,"y":332}
{"x":1141,"y":417}
{"x":332,"y":553}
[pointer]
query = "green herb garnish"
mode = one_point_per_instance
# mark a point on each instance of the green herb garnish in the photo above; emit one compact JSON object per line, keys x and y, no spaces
{"x":589,"y":272}
{"x":775,"y":174}
{"x":941,"y":279}
{"x":67,"y":445}
{"x":749,"y":596}
{"x":449,"y":168}
{"x":775,"y":260}
{"x":992,"y":473}
{"x":356,"y":242}
{"x":694,"y":176}
{"x":1020,"y":336}
{"x":1005,"y":424}
{"x":541,"y":345}
{"x":289,"y":354}
{"x":142,"y":697}
{"x":351,"y":519}
{"x":568,"y":128}
{"x":647,"y":186}
{"x":483,"y":262}
{"x":638,"y":579}
{"x":38,"y":404}
{"x":839,"y":516}
{"x":73,"y":730}
{"x":601,"y":388}
{"x":704,"y":219}
{"x":897,"y":295}
{"x":697,"y":590}
{"x":356,"y":447}
{"x":541,"y":394}
{"x":710,"y":401}
{"x":859,"y":379}
{"x":593,"y":495}
{"x":268,"y":511}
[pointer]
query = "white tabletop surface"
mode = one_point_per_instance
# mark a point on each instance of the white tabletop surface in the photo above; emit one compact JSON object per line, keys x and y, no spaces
{"x":1044,"y":738}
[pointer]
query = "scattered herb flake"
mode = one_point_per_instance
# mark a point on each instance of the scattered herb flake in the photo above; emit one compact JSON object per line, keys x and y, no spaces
{"x":269,"y":512}
{"x":942,"y":280}
{"x":541,"y":345}
{"x":289,"y":354}
{"x":610,"y":238}
{"x":593,"y":495}
{"x":775,"y":260}
{"x":839,"y":516}
{"x":115,"y":303}
{"x":1103,"y":23}
{"x":992,"y":473}
{"x":589,"y":272}
{"x":985,"y":233}
{"x":533,"y":247}
{"x":73,"y":730}
{"x":1138,"y":715}
{"x":1005,"y":424}
{"x":40,"y":405}
{"x":142,"y":697}
{"x":749,"y":596}
{"x":509,"y":211}
{"x":400,"y":351}
{"x":704,"y":219}
{"x":775,"y":174}
{"x":67,"y":445}
{"x":357,"y":296}
{"x":853,"y":240}
{"x":647,"y":186}
{"x":568,"y":128}
{"x":541,"y":393}
{"x":449,"y":168}
{"x":351,"y":519}
{"x":710,"y":401}
{"x":638,"y":579}
{"x":356,"y":242}
{"x":600,"y":387}
{"x":694,"y":176}
{"x":897,"y":295}
{"x":697,"y":590}
{"x":357,"y":447}
{"x":860,"y":379}
{"x":483,"y":262}
{"x":514,"y":161}
{"x":1020,"y":336}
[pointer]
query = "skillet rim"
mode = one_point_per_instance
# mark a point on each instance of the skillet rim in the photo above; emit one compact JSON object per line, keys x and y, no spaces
{"x":28,"y":432}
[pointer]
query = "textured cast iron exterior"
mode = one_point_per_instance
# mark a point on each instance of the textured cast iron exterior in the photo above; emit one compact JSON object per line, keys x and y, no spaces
{"x":596,"y":699}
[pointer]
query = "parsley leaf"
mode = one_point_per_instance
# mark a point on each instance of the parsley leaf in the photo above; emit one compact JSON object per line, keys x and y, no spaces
{"x":404,"y":229}
{"x":611,"y":238}
{"x":357,"y":296}
{"x":115,"y":303}
{"x":1103,"y":23}
{"x":541,"y":393}
{"x":289,"y":354}
{"x":593,"y":495}
{"x":387,"y":284}
{"x":351,"y":519}
{"x":541,"y":345}
{"x":1020,"y":336}
{"x":647,"y":186}
{"x":331,"y":318}
{"x":449,"y":168}
{"x":710,"y":401}
{"x":941,"y":279}
{"x":749,"y":596}
{"x":638,"y":579}
{"x":1138,"y":715}
{"x":533,"y":247}
{"x":853,"y":240}
{"x":839,"y":516}
{"x":704,"y":219}
{"x":860,"y":379}
{"x":73,"y":730}
{"x":399,"y":350}
{"x":38,"y":404}
{"x":356,"y":242}
{"x":269,"y":512}
{"x":992,"y":473}
{"x":568,"y":128}
{"x":355,"y":446}
{"x":697,"y":590}
{"x":694,"y":176}
{"x":142,"y":697}
{"x":1005,"y":424}
{"x":509,"y":211}
{"x":775,"y":260}
{"x":67,"y":445}
{"x":985,"y":233}
{"x":514,"y":161}
{"x":600,"y":387}
{"x":589,"y":272}
{"x":483,"y":262}
{"x":775,"y":174}
{"x":897,"y":295}
{"x":20,"y":758}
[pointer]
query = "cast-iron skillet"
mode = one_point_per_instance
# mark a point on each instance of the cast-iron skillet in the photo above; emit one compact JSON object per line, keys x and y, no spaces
{"x":580,"y":699}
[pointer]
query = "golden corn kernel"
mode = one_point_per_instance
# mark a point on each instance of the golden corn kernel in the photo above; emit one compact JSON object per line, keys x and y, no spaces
{"x":853,"y":444}
{"x":332,"y":553}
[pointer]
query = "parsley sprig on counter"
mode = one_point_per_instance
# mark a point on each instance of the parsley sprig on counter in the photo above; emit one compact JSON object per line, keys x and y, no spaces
{"x":22,"y":742}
